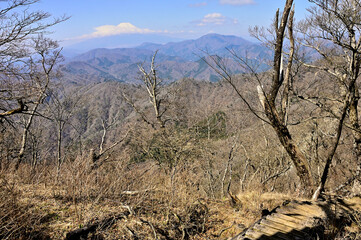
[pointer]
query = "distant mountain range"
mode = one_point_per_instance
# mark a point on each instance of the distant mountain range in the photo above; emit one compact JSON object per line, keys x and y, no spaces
{"x":213,"y":44}
{"x":120,"y":41}
{"x":175,"y":60}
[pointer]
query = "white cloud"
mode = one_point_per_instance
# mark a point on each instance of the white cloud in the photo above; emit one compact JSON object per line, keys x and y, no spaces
{"x":212,"y":18}
{"x":111,"y":30}
{"x":215,"y":19}
{"x":237,"y":2}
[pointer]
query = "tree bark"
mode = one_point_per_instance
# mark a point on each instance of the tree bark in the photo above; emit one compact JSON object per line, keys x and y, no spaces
{"x":297,"y":157}
{"x":276,"y":118}
{"x":60,"y":141}
{"x":354,"y":120}
{"x":25,"y":137}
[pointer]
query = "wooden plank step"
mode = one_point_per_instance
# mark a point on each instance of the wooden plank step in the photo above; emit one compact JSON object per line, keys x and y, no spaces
{"x":281,"y":228}
{"x":313,"y":210}
{"x":269,"y":230}
{"x":294,"y":220}
{"x":297,"y":211}
{"x":285,"y":228}
{"x":291,"y":221}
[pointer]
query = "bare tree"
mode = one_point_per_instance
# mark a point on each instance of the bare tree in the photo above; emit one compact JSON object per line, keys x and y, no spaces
{"x":60,"y":109}
{"x":276,"y":112}
{"x":18,"y":26}
{"x":100,"y":157}
{"x":277,"y":116}
{"x":27,"y":60}
{"x":153,"y":86}
{"x":39,"y":72}
{"x":332,"y":30}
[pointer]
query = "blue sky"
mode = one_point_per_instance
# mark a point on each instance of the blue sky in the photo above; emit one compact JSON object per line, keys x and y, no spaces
{"x":179,"y":19}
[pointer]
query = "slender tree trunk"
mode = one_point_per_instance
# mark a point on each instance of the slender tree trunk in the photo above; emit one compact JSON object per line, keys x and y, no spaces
{"x":354,"y":120}
{"x":297,"y":157}
{"x":60,"y":140}
{"x":228,"y":168}
{"x":346,"y":105}
{"x":25,"y":137}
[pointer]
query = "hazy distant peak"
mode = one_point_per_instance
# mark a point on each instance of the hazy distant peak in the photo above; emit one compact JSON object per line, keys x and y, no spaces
{"x":138,"y":54}
{"x":150,"y":45}
{"x":175,"y":60}
{"x":192,"y":49}
{"x":222,"y":37}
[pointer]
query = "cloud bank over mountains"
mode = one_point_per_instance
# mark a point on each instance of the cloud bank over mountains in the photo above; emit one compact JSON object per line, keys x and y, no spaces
{"x":112,"y":30}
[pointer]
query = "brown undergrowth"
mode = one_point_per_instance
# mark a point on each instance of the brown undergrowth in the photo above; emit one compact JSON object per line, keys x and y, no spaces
{"x":38,"y":204}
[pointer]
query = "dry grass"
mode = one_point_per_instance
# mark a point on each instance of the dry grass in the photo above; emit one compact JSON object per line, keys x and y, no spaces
{"x":44,"y":207}
{"x":161,"y":202}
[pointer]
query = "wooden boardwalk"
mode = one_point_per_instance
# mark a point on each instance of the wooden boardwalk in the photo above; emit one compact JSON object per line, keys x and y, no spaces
{"x":301,"y":220}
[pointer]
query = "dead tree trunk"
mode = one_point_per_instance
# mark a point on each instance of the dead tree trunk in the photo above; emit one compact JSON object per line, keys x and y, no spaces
{"x":152,"y":84}
{"x":291,"y":147}
{"x":276,"y":115}
{"x":276,"y":118}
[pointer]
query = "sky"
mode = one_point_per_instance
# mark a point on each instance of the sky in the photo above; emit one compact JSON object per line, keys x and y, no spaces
{"x":171,"y":19}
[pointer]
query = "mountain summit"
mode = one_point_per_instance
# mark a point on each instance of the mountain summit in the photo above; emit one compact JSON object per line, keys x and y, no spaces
{"x":191,"y":50}
{"x":175,"y":60}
